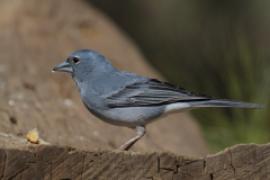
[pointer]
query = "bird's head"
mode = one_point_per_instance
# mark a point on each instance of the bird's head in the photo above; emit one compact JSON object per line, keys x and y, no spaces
{"x":84,"y":62}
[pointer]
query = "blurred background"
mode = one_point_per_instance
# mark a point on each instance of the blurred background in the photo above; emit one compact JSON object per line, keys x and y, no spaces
{"x":218,"y":48}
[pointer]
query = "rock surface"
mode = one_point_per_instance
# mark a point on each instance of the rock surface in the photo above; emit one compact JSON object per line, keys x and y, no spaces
{"x":19,"y":160}
{"x":36,"y":35}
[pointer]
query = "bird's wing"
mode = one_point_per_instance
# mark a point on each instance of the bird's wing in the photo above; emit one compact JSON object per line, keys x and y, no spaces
{"x":150,"y":92}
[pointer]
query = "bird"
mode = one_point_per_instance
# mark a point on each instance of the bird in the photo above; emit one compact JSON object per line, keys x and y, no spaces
{"x":126,"y":99}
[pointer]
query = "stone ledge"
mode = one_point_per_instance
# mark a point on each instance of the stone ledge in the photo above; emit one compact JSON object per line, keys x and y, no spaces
{"x":21,"y":160}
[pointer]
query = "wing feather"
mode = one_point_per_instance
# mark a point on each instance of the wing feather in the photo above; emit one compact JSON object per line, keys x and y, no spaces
{"x":150,"y":93}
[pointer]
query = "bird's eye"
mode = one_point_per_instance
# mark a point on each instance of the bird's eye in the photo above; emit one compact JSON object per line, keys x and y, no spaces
{"x":75,"y":60}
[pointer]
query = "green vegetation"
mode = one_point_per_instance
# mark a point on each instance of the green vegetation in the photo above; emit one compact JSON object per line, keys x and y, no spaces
{"x":241,"y":74}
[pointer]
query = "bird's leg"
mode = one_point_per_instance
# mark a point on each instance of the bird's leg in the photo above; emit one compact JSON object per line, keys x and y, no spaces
{"x":140,"y":130}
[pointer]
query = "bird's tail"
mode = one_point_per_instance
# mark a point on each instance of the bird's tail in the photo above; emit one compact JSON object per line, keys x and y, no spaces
{"x":224,"y":103}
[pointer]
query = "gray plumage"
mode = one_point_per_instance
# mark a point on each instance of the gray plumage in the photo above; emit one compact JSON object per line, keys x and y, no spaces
{"x":127,"y":99}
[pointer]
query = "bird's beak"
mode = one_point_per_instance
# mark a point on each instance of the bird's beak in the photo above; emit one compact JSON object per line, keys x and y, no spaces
{"x":63,"y":67}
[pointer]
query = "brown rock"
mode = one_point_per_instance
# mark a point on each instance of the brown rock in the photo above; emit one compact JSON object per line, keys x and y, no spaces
{"x":21,"y":161}
{"x":36,"y":35}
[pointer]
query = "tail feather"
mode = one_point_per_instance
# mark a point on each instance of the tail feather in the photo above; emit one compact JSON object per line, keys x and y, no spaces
{"x":224,"y":103}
